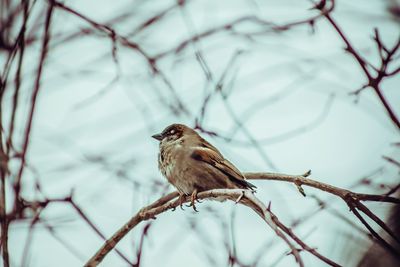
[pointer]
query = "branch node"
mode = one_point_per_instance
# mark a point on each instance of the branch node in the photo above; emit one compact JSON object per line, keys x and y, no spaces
{"x":269,"y":206}
{"x":307,"y":173}
{"x":143,"y":213}
{"x":301,"y":190}
{"x":240,"y":197}
{"x":320,"y":6}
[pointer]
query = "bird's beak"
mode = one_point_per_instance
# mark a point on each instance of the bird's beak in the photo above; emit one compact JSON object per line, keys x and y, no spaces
{"x":158,"y":137}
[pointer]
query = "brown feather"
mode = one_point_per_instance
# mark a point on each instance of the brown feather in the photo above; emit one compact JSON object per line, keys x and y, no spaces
{"x":192,"y":164}
{"x":215,"y":159}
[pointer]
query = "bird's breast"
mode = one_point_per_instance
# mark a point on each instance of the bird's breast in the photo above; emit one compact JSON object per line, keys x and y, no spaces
{"x":169,"y":158}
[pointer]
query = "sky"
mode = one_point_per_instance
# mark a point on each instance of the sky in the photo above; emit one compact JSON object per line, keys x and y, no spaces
{"x":288,"y":90}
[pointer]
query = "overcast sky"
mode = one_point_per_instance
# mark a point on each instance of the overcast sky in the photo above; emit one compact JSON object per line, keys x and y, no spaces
{"x":290,"y":89}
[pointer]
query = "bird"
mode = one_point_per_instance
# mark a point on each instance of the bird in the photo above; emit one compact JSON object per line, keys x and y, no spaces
{"x":192,"y":165}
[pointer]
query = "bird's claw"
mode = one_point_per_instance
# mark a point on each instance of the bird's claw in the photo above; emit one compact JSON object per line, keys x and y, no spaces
{"x":193,"y":199}
{"x":182,"y":199}
{"x":194,"y":207}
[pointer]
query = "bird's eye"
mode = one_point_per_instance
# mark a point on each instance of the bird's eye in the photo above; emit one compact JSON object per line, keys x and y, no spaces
{"x":172,"y":131}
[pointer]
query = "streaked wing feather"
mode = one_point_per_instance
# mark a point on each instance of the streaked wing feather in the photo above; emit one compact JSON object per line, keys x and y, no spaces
{"x":215,"y":159}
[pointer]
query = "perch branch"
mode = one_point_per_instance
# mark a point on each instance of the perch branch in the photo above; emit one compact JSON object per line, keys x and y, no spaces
{"x":352,"y":199}
{"x":247,"y":198}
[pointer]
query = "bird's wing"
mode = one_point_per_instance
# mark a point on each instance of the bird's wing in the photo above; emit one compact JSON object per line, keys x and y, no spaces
{"x":215,"y":159}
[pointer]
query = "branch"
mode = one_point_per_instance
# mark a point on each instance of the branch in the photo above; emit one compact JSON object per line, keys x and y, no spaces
{"x":303,"y":180}
{"x":27,"y":135}
{"x":245,"y":197}
{"x":123,"y":40}
{"x":374,"y":79}
{"x":352,"y":199}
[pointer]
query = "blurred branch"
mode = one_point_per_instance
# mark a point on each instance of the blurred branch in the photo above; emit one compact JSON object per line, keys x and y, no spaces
{"x":46,"y":38}
{"x":281,"y":137}
{"x":230,"y":28}
{"x":21,"y":43}
{"x":377,"y":74}
{"x":5,"y":153}
{"x":95,"y":228}
{"x":37,"y":207}
{"x":392,"y":160}
{"x":4,"y":224}
{"x":123,"y":40}
{"x":139,"y":251}
{"x":393,"y":190}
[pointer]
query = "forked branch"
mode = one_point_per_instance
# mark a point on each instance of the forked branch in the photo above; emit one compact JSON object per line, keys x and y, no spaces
{"x":246,"y":198}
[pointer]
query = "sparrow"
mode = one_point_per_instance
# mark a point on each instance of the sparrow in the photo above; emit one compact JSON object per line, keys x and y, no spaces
{"x":191,"y":164}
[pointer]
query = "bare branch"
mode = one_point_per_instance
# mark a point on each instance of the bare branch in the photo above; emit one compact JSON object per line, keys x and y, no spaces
{"x":35,"y":93}
{"x":247,"y":198}
{"x":302,"y":180}
{"x":374,"y":80}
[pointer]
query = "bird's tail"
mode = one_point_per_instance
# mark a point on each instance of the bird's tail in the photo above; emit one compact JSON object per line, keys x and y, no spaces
{"x":244,"y":184}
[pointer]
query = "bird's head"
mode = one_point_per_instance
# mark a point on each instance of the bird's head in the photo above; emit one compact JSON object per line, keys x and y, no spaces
{"x":173,"y":133}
